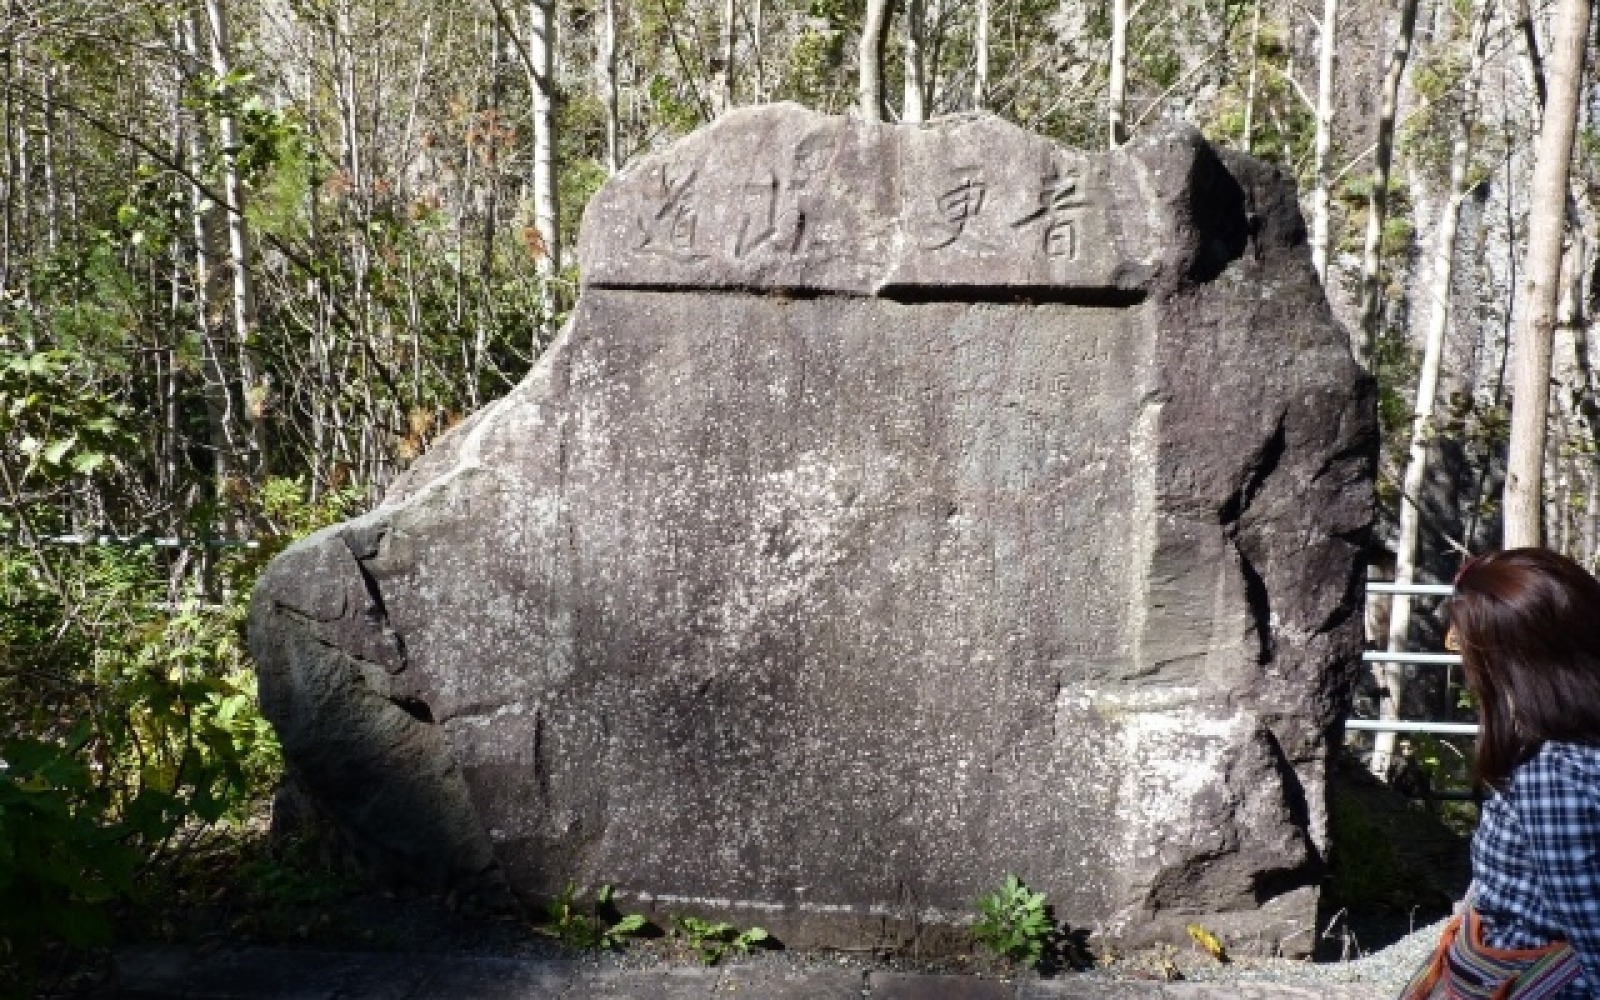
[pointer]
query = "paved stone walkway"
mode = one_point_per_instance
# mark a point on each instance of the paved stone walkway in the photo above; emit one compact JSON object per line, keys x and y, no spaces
{"x":277,"y":974}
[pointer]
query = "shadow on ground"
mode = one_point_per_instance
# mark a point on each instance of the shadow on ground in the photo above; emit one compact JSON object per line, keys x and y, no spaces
{"x":1397,"y":863}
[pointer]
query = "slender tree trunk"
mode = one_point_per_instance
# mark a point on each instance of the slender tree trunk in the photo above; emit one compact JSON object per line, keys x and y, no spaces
{"x":1320,"y":200}
{"x":758,"y":51}
{"x":1547,"y":215}
{"x":980,"y":71}
{"x":419,"y":74}
{"x":1392,"y":677}
{"x":8,"y":193}
{"x":1528,"y":43}
{"x":1591,"y":514}
{"x":913,"y":110}
{"x":1378,"y":197}
{"x":722,"y":86}
{"x":25,"y":177}
{"x":52,"y":200}
{"x":606,"y":66}
{"x":874,"y":32}
{"x":243,"y":306}
{"x":542,"y":52}
{"x":1117,"y":87}
{"x":213,"y":369}
{"x":1248,"y":129}
{"x":347,"y":100}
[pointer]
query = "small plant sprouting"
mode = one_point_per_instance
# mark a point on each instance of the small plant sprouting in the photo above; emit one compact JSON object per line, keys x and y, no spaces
{"x":1015,"y":921}
{"x":592,"y":930}
{"x":711,"y":940}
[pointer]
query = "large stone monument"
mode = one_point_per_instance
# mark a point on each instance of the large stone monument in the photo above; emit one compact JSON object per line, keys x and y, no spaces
{"x":903,"y":506}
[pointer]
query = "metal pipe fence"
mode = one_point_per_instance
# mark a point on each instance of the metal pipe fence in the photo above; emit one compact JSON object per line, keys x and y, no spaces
{"x":137,"y":541}
{"x":1417,"y":659}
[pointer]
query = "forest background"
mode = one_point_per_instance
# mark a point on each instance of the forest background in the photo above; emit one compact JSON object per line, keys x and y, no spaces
{"x":254,"y":258}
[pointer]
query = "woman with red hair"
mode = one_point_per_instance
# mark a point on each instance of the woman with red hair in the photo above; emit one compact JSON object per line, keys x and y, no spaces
{"x":1527,"y":625}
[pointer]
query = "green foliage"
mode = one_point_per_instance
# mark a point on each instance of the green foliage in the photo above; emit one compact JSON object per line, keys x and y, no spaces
{"x":1015,"y":922}
{"x":59,"y":430}
{"x":599,"y":928}
{"x":288,"y":507}
{"x":1425,"y":136}
{"x":63,"y":855}
{"x":1282,"y":126}
{"x":130,"y":724}
{"x":1365,"y":868}
{"x":714,"y":940}
{"x":1395,"y":364}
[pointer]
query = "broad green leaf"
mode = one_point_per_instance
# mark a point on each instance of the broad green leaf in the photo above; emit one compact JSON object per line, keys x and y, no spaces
{"x":56,"y":450}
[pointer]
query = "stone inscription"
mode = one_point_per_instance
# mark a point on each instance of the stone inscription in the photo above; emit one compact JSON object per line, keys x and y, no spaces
{"x":843,"y":206}
{"x":960,"y":204}
{"x":778,"y":213}
{"x":670,"y":229}
{"x":1061,"y":203}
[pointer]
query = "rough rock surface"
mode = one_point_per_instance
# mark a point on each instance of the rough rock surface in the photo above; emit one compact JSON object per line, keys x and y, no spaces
{"x":902,"y":507}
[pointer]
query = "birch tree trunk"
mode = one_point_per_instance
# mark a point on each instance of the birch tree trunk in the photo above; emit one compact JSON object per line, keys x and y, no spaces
{"x":722,"y":81}
{"x":1378,"y":197}
{"x":243,"y":305}
{"x":213,"y":372}
{"x":1547,"y":215}
{"x":1528,"y":47}
{"x":980,"y":70}
{"x":912,"y":109}
{"x":758,"y":51}
{"x":8,"y":192}
{"x":606,"y":66}
{"x":541,"y":53}
{"x":1324,"y":140}
{"x":1392,"y":677}
{"x":52,"y":231}
{"x":1117,"y":86}
{"x":1248,"y":129}
{"x":873,"y":35}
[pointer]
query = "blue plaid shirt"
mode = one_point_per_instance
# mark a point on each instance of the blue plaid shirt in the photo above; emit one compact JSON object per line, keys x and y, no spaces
{"x":1536,"y":859}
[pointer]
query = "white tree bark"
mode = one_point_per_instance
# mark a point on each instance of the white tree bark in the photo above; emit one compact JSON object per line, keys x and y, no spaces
{"x":52,"y":199}
{"x":1117,"y":85}
{"x":1547,"y":216}
{"x":541,"y":48}
{"x":912,"y":110}
{"x":213,"y":370}
{"x":243,"y":299}
{"x":874,"y":25}
{"x":757,"y":50}
{"x":1392,"y":677}
{"x":1378,"y":197}
{"x":722,"y":82}
{"x":606,"y":67}
{"x":980,"y":70}
{"x":1320,"y":199}
{"x":345,"y":89}
{"x":1248,"y":128}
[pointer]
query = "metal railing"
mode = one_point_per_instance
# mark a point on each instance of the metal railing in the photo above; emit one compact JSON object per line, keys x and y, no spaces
{"x":135,"y":541}
{"x":1419,"y":659}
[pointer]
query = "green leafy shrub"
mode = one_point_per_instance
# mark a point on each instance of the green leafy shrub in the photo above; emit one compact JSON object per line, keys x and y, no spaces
{"x":714,"y":940}
{"x":129,"y":725}
{"x":599,"y":928}
{"x":1015,"y":922}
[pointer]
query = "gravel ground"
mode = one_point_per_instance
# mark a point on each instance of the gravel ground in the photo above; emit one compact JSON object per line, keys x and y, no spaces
{"x":383,"y":922}
{"x":1387,"y":970}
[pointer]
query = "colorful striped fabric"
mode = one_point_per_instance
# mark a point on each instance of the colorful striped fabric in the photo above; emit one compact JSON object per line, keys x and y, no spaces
{"x":1464,"y":968}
